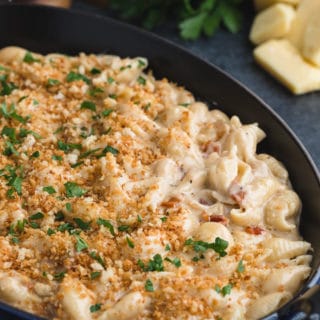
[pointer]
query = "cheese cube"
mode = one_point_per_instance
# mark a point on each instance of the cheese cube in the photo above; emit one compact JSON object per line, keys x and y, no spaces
{"x":311,"y":40}
{"x":282,"y":60}
{"x":262,"y":4}
{"x":274,"y":22}
{"x":305,"y":10}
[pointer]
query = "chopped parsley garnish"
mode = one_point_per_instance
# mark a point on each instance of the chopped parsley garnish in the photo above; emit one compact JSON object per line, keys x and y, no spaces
{"x":24,"y":132}
{"x":139,"y":218}
{"x":49,"y":189}
{"x":69,"y":206}
{"x":95,"y":71}
{"x":88,"y":153}
{"x":96,"y":257}
{"x":240,"y":267}
{"x":163,"y":219}
{"x":82,"y":224}
{"x":22,"y":98}
{"x":74,"y":190}
{"x":95,"y":274}
{"x":95,"y":91}
{"x":141,"y":80}
{"x":60,"y":129}
{"x":10,"y":113}
{"x":9,"y":132}
{"x":223,"y":291}
{"x":107,"y":112}
{"x":29,"y":58}
{"x":155,"y":264}
{"x":147,"y":106}
{"x":88,"y":105}
{"x":10,"y":149}
{"x":123,"y":228}
{"x":52,"y":82}
{"x":141,"y":63}
{"x":7,"y":87}
{"x":36,"y":154}
{"x":57,"y":158}
{"x":110,"y":80}
{"x":15,"y":240}
{"x":34,"y":225}
{"x":96,"y":307}
{"x":74,"y":76}
{"x":130,"y":242}
{"x":77,"y":164}
{"x":67,"y":147}
{"x":65,"y":227}
{"x":149,"y":286}
{"x":107,"y":149}
{"x":14,"y":180}
{"x":107,"y":224}
{"x":174,"y":261}
{"x":184,"y":105}
{"x":80,"y":244}
{"x":59,"y":276}
{"x":218,"y":246}
{"x":113,"y":96}
{"x":197,"y":258}
{"x":125,"y":67}
{"x":50,"y":232}
{"x":37,"y":216}
{"x":167,"y":247}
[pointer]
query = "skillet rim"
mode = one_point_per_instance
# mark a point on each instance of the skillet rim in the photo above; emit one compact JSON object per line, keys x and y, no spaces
{"x":312,"y":280}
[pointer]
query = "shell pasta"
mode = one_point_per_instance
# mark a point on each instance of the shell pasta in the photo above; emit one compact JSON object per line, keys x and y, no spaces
{"x":122,"y":197}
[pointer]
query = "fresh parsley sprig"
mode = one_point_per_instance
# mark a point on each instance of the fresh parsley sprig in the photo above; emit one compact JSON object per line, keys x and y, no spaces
{"x":194,"y":17}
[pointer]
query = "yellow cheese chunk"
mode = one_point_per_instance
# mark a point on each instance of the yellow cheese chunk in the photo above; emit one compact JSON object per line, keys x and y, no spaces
{"x":311,"y":40}
{"x":282,"y":60}
{"x":274,"y":22}
{"x":305,"y":10}
{"x":262,"y":4}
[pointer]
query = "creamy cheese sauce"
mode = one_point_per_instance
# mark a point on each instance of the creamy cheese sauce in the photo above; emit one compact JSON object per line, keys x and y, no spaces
{"x":124,"y":198}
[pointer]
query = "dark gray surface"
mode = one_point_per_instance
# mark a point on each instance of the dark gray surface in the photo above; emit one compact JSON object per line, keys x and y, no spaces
{"x":233,"y":53}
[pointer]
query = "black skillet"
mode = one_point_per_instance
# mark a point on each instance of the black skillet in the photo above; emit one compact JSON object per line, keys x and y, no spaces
{"x":45,"y":30}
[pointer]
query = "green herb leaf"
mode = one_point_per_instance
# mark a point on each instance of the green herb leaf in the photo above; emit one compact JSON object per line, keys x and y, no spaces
{"x":141,"y":63}
{"x":167,"y":247}
{"x":141,"y":80}
{"x":123,"y":228}
{"x":95,"y":71}
{"x":88,"y":153}
{"x":240,"y":267}
{"x":50,"y":232}
{"x":88,"y":105}
{"x":80,"y":244}
{"x":74,"y":76}
{"x":95,"y":91}
{"x":174,"y":261}
{"x":96,"y":307}
{"x":190,"y":29}
{"x":130,"y":242}
{"x":107,"y":112}
{"x":95,"y":274}
{"x":149,"y":286}
{"x":67,"y":147}
{"x":74,"y":190}
{"x":110,"y":80}
{"x":107,"y":224}
{"x":96,"y":257}
{"x":29,"y":58}
{"x":218,"y":246}
{"x":226,"y":290}
{"x":69,"y":206}
{"x":57,"y":158}
{"x":59,"y":276}
{"x":36,"y":154}
{"x":154,"y":264}
{"x":82,"y":224}
{"x":231,"y":17}
{"x":52,"y":82}
{"x":37,"y":216}
{"x":49,"y":189}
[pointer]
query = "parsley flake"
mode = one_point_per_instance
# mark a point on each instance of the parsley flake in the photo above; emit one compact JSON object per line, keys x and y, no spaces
{"x":174,"y":261}
{"x":74,"y":76}
{"x":37,"y":216}
{"x":80,"y":244}
{"x":88,"y":105}
{"x":107,"y":112}
{"x":95,"y":71}
{"x":67,"y":147}
{"x":52,"y":82}
{"x":141,"y":80}
{"x":95,"y":274}
{"x":49,"y":189}
{"x":240,"y":267}
{"x":107,"y":224}
{"x":130,"y":242}
{"x":29,"y":58}
{"x":96,"y":257}
{"x":82,"y":224}
{"x":96,"y":307}
{"x":149,"y":286}
{"x":218,"y":246}
{"x":59,"y":276}
{"x":73,"y":190}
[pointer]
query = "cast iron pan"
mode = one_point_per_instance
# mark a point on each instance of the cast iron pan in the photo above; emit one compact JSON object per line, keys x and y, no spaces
{"x":45,"y":30}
